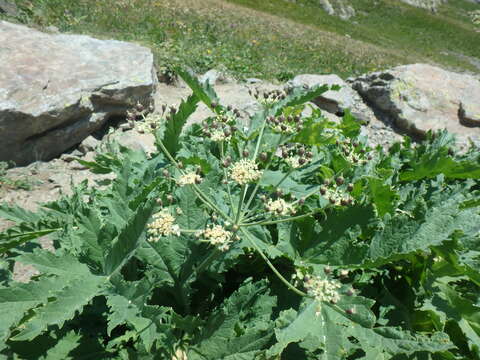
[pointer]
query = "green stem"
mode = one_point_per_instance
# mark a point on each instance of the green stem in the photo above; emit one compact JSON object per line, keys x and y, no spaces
{"x":230,"y":199}
{"x":271,"y":266}
{"x":284,"y":177}
{"x":255,"y":190}
{"x":279,"y":221}
{"x":240,"y":203}
{"x":198,"y":191}
{"x":207,"y":261}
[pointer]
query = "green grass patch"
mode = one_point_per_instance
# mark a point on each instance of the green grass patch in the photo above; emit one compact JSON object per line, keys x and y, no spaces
{"x":271,"y":39}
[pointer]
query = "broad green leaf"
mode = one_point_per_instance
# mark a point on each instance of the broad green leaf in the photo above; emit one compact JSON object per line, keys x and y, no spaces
{"x":338,"y":334}
{"x":239,"y":328}
{"x":383,"y":196}
{"x":76,"y":293}
{"x":129,"y":239}
{"x":204,"y":92}
{"x":64,"y":347}
{"x":169,"y":134}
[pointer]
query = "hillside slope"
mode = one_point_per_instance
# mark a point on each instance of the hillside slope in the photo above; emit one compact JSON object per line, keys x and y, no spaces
{"x":274,"y":38}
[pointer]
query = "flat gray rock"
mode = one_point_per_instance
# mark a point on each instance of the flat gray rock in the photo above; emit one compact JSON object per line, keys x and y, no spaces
{"x":55,"y":90}
{"x":422,"y":97}
{"x":334,"y":101}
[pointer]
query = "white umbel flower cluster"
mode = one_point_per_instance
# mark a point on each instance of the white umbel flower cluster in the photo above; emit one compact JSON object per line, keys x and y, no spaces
{"x":295,"y":162}
{"x":217,"y":235}
{"x":245,"y":171}
{"x":323,"y":289}
{"x":219,"y":135}
{"x":189,"y":178}
{"x":163,"y":224}
{"x":279,"y":207}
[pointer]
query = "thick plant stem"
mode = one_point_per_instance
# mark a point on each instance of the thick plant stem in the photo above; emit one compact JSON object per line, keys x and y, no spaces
{"x":271,"y":266}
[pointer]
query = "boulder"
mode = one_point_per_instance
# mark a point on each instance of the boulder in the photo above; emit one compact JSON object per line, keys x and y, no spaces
{"x":422,"y":97}
{"x":8,"y":8}
{"x":333,"y":101}
{"x":55,"y":90}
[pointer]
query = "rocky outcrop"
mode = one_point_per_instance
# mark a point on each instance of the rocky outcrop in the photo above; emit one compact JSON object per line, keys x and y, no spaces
{"x":426,"y":4}
{"x":55,"y":90}
{"x":339,"y":8}
{"x":422,"y":97}
{"x":334,"y":102}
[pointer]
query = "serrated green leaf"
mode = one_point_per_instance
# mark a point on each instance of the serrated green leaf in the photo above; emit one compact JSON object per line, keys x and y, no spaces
{"x":77,"y":293}
{"x":239,"y":329}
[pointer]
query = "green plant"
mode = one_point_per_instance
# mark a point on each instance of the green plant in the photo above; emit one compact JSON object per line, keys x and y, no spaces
{"x":285,"y":237}
{"x":7,"y":182}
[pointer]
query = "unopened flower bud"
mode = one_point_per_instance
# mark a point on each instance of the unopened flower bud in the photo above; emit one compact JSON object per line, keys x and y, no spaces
{"x":332,"y":200}
{"x":229,"y":107}
{"x":214,"y":217}
{"x":213,"y":104}
{"x":245,"y":153}
{"x":323,"y":190}
{"x":309,"y":154}
{"x":301,"y":201}
{"x":160,"y":202}
{"x":327,"y":270}
{"x":350,"y":187}
{"x":301,"y":151}
{"x":302,"y":161}
{"x":263,"y":198}
{"x":344,"y":202}
{"x":343,"y":273}
{"x":339,"y":180}
{"x":235,"y":228}
{"x":165,"y":173}
{"x":263,"y":156}
{"x":350,"y":292}
{"x":327,"y":182}
{"x":180,"y":165}
{"x":170,"y":199}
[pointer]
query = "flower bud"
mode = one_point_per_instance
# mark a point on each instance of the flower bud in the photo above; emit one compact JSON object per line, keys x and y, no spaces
{"x":350,"y":187}
{"x":344,"y":202}
{"x":339,"y":180}
{"x":350,"y":292}
{"x":213,"y":104}
{"x":309,"y":154}
{"x":301,"y":201}
{"x":165,"y":173}
{"x":323,"y":190}
{"x":302,"y":161}
{"x":245,"y":153}
{"x":229,"y":107}
{"x":263,"y":156}
{"x":327,"y":270}
{"x":170,"y":199}
{"x":350,"y":311}
{"x":332,"y":200}
{"x":180,"y":165}
{"x":301,"y":151}
{"x":160,"y":202}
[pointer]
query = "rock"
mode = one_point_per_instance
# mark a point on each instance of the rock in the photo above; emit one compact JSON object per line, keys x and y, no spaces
{"x":422,"y":97}
{"x":215,"y":76}
{"x":71,"y":156}
{"x":253,"y":81}
{"x":9,"y":8}
{"x":89,"y":144}
{"x":426,"y":4}
{"x":335,"y":102}
{"x":339,"y":8}
{"x":55,"y":90}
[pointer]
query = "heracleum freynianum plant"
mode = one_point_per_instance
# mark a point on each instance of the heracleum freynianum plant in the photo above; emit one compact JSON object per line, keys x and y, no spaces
{"x":282,"y":237}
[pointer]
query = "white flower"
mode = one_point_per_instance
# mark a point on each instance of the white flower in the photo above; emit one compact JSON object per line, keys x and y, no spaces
{"x":189,"y":178}
{"x":245,"y":171}
{"x":217,"y":235}
{"x":279,"y":207}
{"x":294,"y":161}
{"x":163,"y":224}
{"x":219,"y":135}
{"x":323,"y":289}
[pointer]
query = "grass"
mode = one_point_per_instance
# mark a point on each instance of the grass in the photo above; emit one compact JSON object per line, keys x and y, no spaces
{"x":271,"y":39}
{"x":7,"y":183}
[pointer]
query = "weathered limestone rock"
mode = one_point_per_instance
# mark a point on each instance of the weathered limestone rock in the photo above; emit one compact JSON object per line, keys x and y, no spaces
{"x":55,"y":90}
{"x":422,"y":97}
{"x":334,"y":102}
{"x":426,"y":4}
{"x":9,"y":8}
